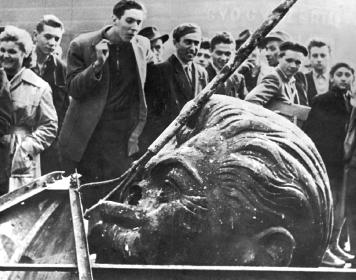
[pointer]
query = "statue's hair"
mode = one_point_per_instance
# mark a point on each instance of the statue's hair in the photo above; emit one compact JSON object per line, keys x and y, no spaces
{"x":273,"y":168}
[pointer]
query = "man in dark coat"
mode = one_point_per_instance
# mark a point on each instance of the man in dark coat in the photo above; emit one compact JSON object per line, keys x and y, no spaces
{"x":6,"y":104}
{"x":318,"y":77}
{"x":51,"y":68}
{"x":6,"y":110}
{"x":326,"y":126}
{"x":106,"y":72}
{"x":350,"y":175}
{"x":171,"y":84}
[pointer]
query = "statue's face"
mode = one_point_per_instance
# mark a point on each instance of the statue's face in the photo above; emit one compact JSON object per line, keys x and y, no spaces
{"x":187,"y":220}
{"x":182,"y":216}
{"x":222,"y":192}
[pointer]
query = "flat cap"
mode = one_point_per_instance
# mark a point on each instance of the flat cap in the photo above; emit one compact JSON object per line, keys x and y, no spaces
{"x":293,"y":47}
{"x":274,"y":36}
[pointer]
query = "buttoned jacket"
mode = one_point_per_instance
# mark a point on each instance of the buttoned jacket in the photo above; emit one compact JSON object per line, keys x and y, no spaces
{"x":169,"y":88}
{"x":274,"y":87}
{"x":34,"y":125}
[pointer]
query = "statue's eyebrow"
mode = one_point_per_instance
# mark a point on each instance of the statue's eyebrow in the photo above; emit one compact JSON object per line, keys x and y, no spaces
{"x":186,"y":164}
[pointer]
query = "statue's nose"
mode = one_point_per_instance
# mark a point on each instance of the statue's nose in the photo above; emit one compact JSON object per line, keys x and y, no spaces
{"x":124,"y":215}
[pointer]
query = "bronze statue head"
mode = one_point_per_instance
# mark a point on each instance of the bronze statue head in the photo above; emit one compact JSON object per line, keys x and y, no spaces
{"x":239,"y":185}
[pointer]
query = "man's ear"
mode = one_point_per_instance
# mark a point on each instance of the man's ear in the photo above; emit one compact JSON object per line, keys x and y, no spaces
{"x":174,"y":41}
{"x":275,"y":247}
{"x":34,"y":36}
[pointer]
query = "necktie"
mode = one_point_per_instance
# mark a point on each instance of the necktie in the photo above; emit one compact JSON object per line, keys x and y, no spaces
{"x":292,"y":92}
{"x":188,"y":74}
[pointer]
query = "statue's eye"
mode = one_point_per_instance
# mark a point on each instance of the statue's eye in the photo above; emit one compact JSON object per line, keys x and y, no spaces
{"x":169,"y":191}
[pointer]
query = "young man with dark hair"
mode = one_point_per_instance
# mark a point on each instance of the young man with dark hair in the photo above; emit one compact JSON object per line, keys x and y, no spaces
{"x":106,"y":76}
{"x":326,"y":126}
{"x":318,"y":77}
{"x":47,"y":38}
{"x":281,"y":84}
{"x":203,"y":56}
{"x":222,"y":48}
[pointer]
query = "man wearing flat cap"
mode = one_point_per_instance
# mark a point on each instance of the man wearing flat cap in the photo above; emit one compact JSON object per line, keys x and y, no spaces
{"x":156,"y":39}
{"x":271,"y":44}
{"x":269,"y":47}
{"x":174,"y":82}
{"x":280,"y":84}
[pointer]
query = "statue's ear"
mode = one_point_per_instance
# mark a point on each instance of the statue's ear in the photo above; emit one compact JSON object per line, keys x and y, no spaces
{"x":275,"y":247}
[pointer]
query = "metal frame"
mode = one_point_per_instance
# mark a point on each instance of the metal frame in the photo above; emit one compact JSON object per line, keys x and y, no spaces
{"x":87,"y":271}
{"x":111,"y":271}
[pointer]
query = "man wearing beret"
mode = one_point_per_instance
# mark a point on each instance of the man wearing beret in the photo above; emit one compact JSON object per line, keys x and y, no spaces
{"x":156,"y":39}
{"x":174,"y":82}
{"x":280,"y":84}
{"x":105,"y":76}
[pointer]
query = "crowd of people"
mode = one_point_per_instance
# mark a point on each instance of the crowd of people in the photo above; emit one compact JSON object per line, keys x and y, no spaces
{"x":100,"y":110}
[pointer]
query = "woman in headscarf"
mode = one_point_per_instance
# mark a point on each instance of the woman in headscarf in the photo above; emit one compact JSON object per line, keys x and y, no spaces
{"x":34,"y":117}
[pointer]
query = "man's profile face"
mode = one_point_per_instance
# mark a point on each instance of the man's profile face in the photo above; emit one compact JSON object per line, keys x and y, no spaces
{"x":203,"y":57}
{"x":49,"y":39}
{"x":342,"y":78}
{"x":221,"y":54}
{"x":188,"y":46}
{"x":319,"y":58}
{"x":157,"y":49}
{"x":272,"y":52}
{"x":290,"y":62}
{"x":129,"y":24}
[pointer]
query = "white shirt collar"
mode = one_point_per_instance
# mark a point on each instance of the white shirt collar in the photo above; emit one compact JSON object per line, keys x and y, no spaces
{"x":189,"y":64}
{"x":325,"y":75}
